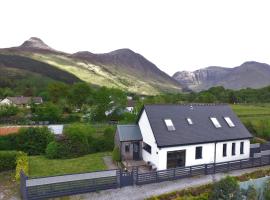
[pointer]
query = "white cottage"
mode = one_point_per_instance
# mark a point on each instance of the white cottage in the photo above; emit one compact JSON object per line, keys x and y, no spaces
{"x":185,"y":135}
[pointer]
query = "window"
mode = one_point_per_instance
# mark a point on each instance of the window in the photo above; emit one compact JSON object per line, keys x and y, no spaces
{"x":215,"y":122}
{"x":127,"y":148}
{"x":169,"y":124}
{"x":224,"y":150}
{"x":242,"y":148}
{"x":190,"y":122}
{"x":229,"y":122}
{"x":147,"y":147}
{"x":233,"y":149}
{"x":198,"y":153}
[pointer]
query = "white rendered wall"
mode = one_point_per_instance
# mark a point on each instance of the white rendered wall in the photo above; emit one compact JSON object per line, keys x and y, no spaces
{"x":230,"y":157}
{"x":208,"y":153}
{"x":148,"y":137}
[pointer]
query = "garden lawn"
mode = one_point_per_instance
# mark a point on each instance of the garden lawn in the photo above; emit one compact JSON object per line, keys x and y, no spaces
{"x":41,"y":166}
{"x":252,"y":110}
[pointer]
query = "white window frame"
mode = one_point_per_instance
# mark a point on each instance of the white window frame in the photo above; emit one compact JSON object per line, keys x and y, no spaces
{"x":169,"y":124}
{"x":215,"y":122}
{"x":229,"y":122}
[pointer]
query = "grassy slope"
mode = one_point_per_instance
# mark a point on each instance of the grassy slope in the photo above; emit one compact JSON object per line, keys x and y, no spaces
{"x":252,"y":112}
{"x":98,"y":75}
{"x":41,"y":166}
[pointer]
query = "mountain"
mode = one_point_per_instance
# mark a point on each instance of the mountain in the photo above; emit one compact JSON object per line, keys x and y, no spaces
{"x":121,"y":68}
{"x":248,"y":75}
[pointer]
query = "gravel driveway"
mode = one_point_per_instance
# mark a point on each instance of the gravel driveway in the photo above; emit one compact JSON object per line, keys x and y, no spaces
{"x":144,"y":191}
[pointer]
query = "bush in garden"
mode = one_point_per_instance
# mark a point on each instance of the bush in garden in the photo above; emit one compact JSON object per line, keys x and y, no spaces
{"x":116,"y":156}
{"x":52,"y":150}
{"x":8,"y":142}
{"x":267,"y":191}
{"x":58,"y":149}
{"x":78,"y":136}
{"x":34,"y":141}
{"x":7,"y":160}
{"x":22,"y":164}
{"x":226,"y":189}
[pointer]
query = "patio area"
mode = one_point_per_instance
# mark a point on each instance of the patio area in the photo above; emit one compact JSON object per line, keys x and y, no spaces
{"x":141,"y":164}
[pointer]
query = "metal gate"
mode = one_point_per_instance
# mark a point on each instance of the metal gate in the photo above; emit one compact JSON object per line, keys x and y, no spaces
{"x":126,"y":178}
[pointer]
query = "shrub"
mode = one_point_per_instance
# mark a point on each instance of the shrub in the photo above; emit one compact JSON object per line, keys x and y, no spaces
{"x":227,"y":188}
{"x":52,"y":150}
{"x":22,"y":164}
{"x":34,"y":141}
{"x":116,"y":156}
{"x":8,"y":142}
{"x":7,"y":160}
{"x":267,"y":191}
{"x":78,"y":136}
{"x":58,"y":149}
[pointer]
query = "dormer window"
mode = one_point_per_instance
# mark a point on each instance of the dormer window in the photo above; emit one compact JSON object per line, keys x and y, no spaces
{"x":189,"y":120}
{"x":229,"y":122}
{"x":169,"y":124}
{"x":215,"y":122}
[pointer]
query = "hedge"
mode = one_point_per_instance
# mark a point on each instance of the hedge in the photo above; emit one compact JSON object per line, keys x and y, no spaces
{"x":7,"y":160}
{"x":22,"y":164}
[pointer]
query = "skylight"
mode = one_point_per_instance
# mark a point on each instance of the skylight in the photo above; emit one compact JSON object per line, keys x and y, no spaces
{"x":169,"y":124}
{"x":189,"y":120}
{"x":215,"y":122}
{"x":229,"y":122}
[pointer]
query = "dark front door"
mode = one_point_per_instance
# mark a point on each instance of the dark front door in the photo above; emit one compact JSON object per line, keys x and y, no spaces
{"x":176,"y":159}
{"x":136,"y":151}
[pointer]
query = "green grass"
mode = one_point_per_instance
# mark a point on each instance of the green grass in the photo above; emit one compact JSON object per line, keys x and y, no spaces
{"x":41,"y":166}
{"x":248,"y":110}
{"x":256,"y":117}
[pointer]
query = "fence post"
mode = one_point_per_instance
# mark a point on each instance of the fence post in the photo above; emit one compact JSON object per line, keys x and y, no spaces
{"x":190,"y":170}
{"x":118,"y":178}
{"x":205,"y":169}
{"x":228,"y":166}
{"x":135,"y":175}
{"x":157,"y":176}
{"x":214,"y":167}
{"x":174,"y":172}
{"x":23,"y":187}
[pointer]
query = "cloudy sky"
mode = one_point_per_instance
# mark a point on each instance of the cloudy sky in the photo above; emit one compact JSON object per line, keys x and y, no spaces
{"x":175,"y":35}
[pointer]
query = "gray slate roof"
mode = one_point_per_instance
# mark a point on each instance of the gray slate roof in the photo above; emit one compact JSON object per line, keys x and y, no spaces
{"x":129,"y":132}
{"x":202,"y":130}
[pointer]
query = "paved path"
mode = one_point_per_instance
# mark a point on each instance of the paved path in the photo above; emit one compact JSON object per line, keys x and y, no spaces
{"x":109,"y":162}
{"x":144,"y":191}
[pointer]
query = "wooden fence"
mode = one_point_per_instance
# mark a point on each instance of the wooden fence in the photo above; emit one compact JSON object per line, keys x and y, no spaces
{"x":49,"y":187}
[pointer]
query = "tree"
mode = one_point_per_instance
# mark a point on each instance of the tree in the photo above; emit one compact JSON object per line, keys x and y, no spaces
{"x":57,"y":91}
{"x":81,"y":93}
{"x":47,"y":112}
{"x":226,"y":189}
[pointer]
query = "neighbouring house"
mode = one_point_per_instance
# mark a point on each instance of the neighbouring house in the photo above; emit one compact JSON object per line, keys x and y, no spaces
{"x":130,"y":105}
{"x":21,"y":101}
{"x":168,"y":136}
